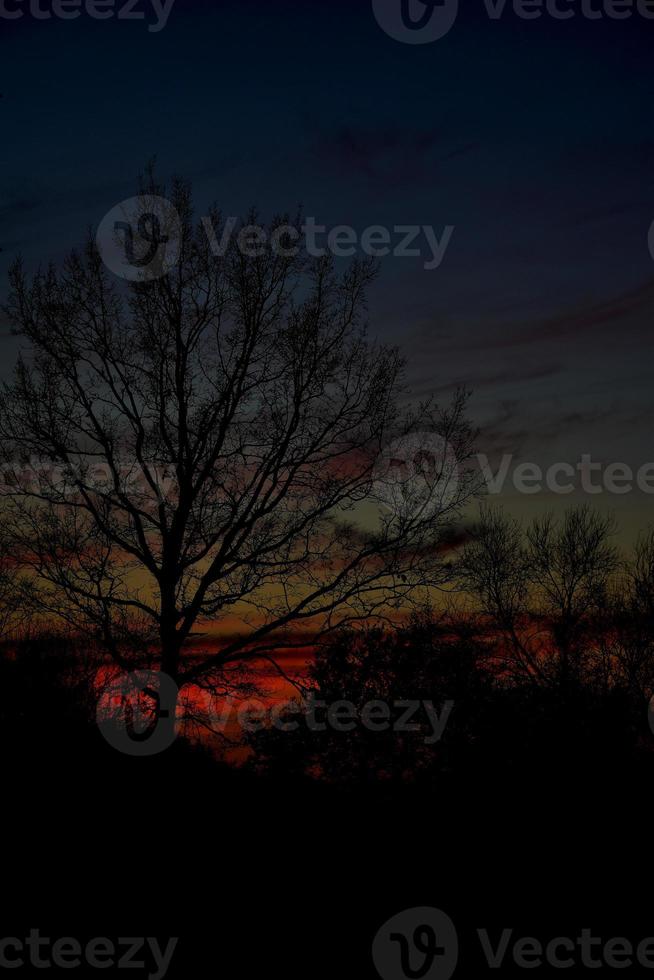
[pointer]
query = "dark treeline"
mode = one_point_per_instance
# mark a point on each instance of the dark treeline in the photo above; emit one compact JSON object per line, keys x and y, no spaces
{"x":545,"y":656}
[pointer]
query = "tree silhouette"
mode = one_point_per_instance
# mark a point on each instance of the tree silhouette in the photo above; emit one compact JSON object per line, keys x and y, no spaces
{"x":437,"y":658}
{"x":203,"y":445}
{"x":544,"y":590}
{"x":627,"y":649}
{"x":549,"y":670}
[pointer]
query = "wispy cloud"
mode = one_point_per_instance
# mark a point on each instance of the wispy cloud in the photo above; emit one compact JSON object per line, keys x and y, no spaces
{"x":389,"y":156}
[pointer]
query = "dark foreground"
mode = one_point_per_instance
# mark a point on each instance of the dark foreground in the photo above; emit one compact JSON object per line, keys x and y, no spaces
{"x":260,"y":876}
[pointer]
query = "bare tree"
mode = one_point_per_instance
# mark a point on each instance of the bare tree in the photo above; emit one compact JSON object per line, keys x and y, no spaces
{"x":544,"y":590}
{"x":13,"y":591}
{"x":202,"y":447}
{"x":628,"y":643}
{"x":16,"y":592}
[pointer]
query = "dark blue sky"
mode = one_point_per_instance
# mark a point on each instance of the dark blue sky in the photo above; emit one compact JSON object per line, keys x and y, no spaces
{"x":535,"y":139}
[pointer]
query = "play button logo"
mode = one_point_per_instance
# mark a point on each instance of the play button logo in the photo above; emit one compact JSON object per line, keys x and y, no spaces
{"x":417,"y":944}
{"x":416,"y":21}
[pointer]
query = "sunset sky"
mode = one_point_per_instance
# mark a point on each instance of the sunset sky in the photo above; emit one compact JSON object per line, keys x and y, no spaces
{"x":534,"y":139}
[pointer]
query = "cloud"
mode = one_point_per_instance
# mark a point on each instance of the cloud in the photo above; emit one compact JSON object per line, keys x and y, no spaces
{"x":18,"y":207}
{"x":476,"y":380}
{"x":630,"y":311}
{"x":388,"y":156}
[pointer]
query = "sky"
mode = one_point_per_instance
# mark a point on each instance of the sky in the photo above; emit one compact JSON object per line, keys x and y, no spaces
{"x":532,"y":139}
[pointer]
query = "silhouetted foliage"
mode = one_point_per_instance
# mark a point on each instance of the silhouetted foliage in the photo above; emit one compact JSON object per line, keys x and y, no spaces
{"x":543,"y":590}
{"x":235,"y":410}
